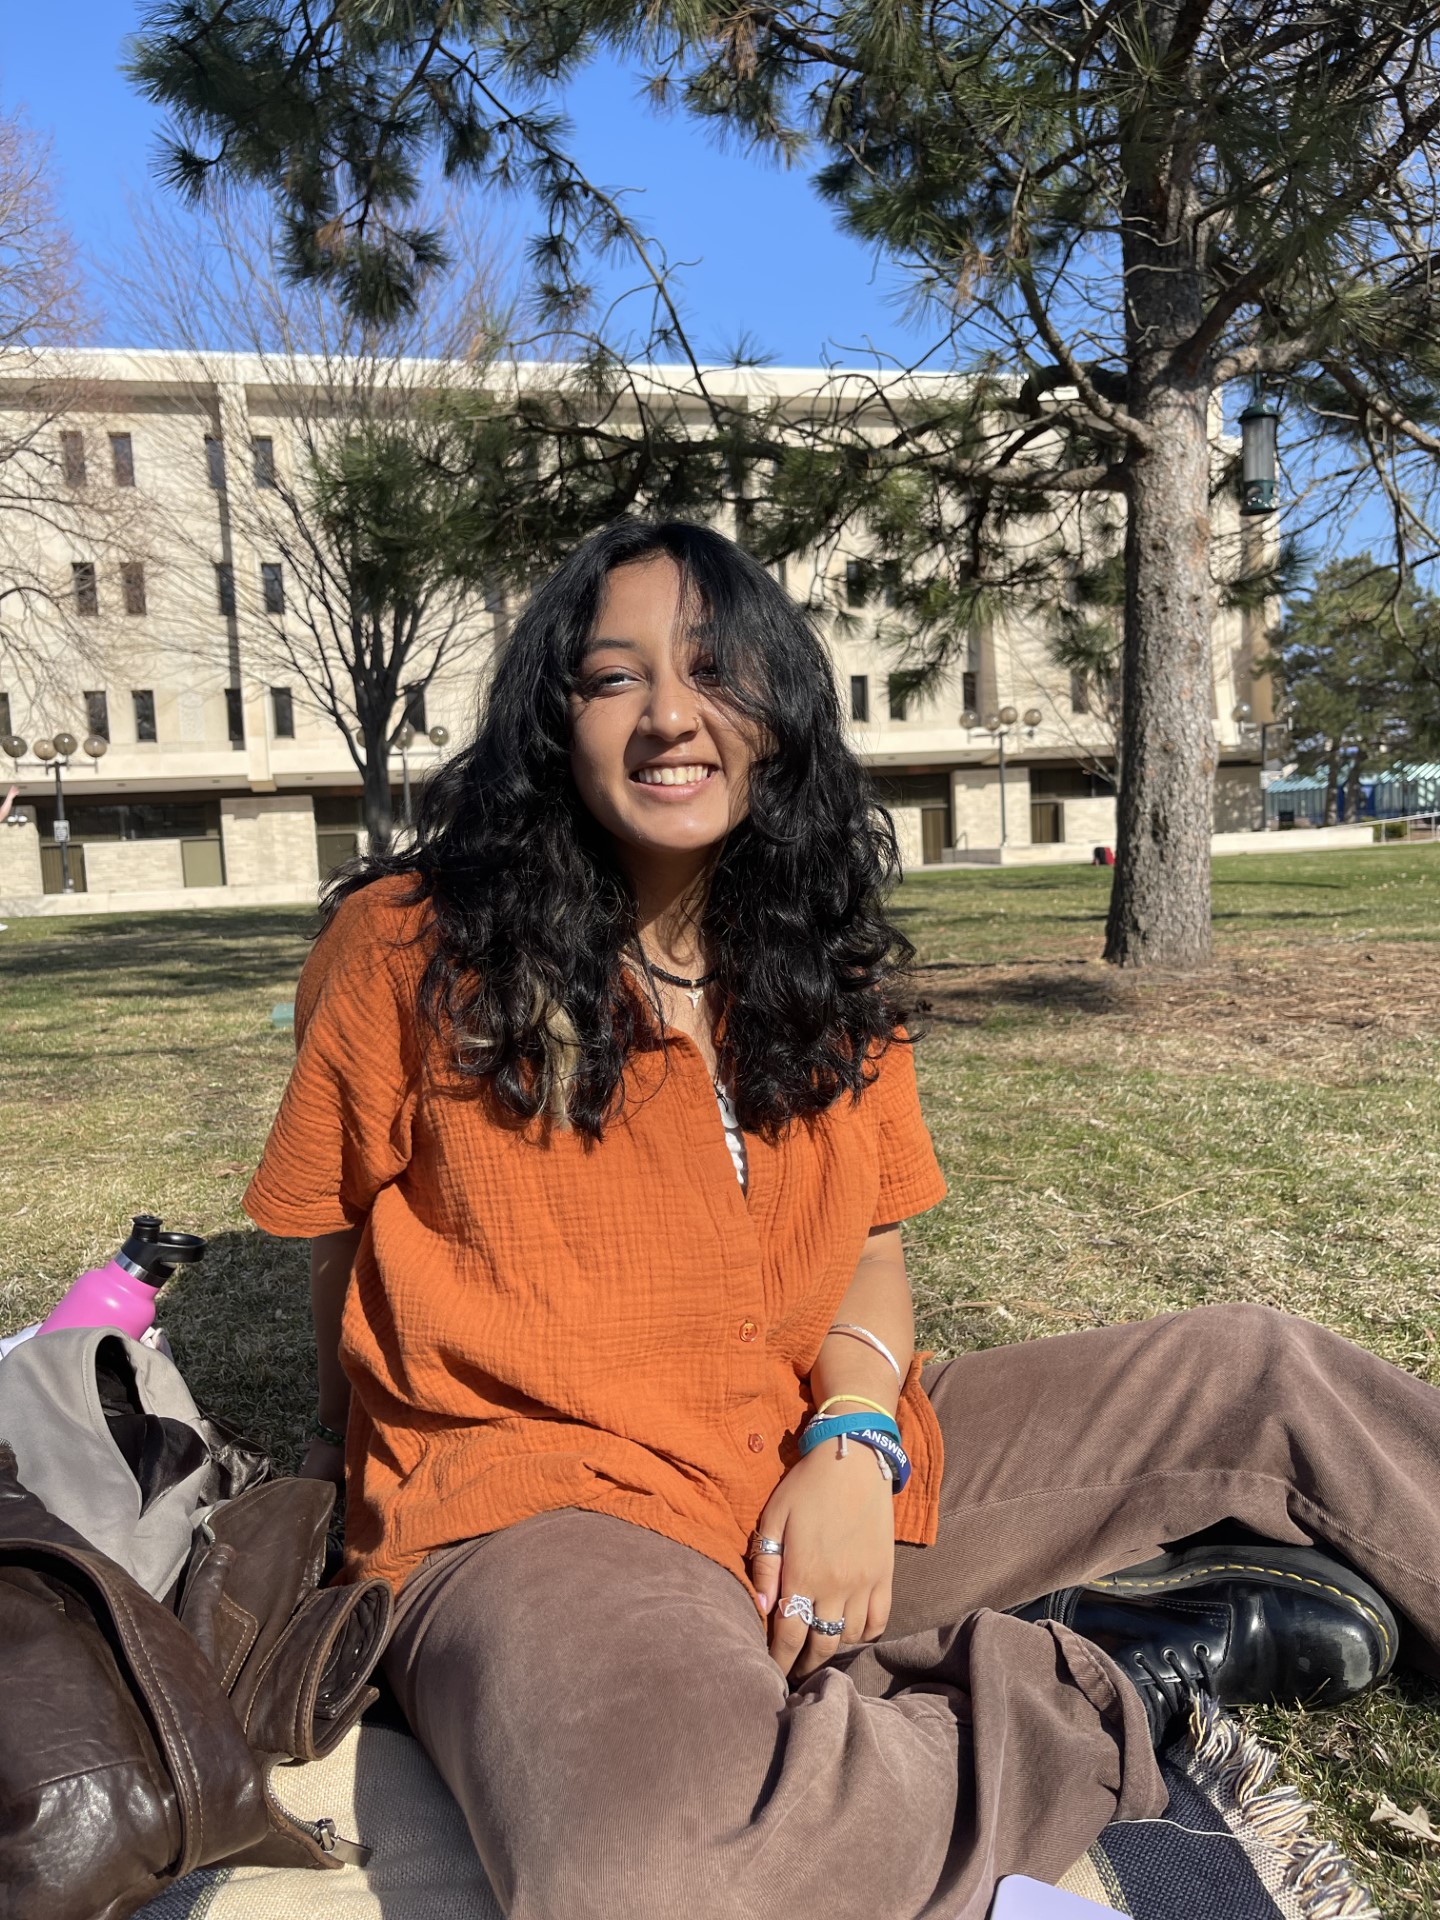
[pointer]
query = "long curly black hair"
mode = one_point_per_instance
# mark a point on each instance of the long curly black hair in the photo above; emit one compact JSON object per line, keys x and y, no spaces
{"x":533,"y":913}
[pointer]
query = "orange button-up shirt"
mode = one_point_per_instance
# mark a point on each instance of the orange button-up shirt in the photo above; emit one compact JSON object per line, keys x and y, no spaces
{"x":538,"y":1321}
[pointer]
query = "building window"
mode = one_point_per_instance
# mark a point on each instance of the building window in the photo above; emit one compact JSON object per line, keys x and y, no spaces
{"x":855,"y":583}
{"x":859,"y":696}
{"x":900,"y":688}
{"x":264,"y":451}
{"x":970,"y":691}
{"x":215,"y":461}
{"x":87,"y":593}
{"x":1079,"y":694}
{"x":72,"y":458}
{"x":132,"y":576}
{"x":97,"y":714}
{"x":415,"y":708}
{"x":225,"y":586}
{"x":6,"y":724}
{"x":890,"y":582}
{"x":283,"y":706}
{"x":234,"y":717}
{"x":272,"y":585}
{"x":122,"y":459}
{"x":144,"y":700}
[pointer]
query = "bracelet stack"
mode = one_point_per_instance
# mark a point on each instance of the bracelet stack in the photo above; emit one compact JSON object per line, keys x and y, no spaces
{"x":876,"y":1430}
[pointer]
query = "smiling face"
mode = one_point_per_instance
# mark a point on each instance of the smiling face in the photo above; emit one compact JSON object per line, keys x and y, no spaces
{"x":660,"y":763}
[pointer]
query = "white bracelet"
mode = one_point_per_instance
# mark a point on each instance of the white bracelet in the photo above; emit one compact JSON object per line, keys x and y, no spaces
{"x":871,"y":1340}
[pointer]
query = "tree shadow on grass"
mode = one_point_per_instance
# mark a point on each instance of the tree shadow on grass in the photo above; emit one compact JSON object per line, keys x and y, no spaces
{"x":1039,"y":989}
{"x":183,"y":955}
{"x":239,"y":1321}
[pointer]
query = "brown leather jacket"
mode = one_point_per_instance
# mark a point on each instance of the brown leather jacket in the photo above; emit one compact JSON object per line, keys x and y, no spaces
{"x":136,"y":1745}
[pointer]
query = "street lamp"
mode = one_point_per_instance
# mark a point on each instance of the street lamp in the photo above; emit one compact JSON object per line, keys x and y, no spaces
{"x":54,"y":750}
{"x":999,"y":725}
{"x":405,"y":738}
{"x":1259,"y":475}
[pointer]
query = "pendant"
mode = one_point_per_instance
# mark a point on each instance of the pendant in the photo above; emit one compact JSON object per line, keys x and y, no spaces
{"x":693,"y":996}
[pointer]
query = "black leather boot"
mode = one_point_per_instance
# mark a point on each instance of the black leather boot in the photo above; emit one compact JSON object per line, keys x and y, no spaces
{"x":1252,"y":1623}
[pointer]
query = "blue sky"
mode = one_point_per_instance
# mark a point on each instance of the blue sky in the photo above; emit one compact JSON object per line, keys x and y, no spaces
{"x":771,"y":263}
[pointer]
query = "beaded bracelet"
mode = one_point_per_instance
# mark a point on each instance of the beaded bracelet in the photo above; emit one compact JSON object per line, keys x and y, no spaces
{"x":317,"y":1430}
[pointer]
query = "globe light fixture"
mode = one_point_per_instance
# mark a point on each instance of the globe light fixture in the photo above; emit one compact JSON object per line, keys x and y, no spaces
{"x":96,"y":745}
{"x":1032,"y":717}
{"x":970,"y":719}
{"x":1259,"y":458}
{"x":438,"y":736}
{"x":14,"y":746}
{"x":1008,"y":716}
{"x":65,"y":744}
{"x":45,"y":750}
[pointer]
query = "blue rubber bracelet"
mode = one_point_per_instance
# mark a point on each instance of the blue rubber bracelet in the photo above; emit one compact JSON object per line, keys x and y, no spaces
{"x":890,"y":1447}
{"x":836,"y":1424}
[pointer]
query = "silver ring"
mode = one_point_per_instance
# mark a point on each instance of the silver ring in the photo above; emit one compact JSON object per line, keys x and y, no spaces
{"x":828,"y":1627}
{"x":799,"y":1607}
{"x":761,"y":1543}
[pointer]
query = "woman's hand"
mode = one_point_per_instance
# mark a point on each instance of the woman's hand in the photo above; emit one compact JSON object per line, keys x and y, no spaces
{"x":834,"y":1519}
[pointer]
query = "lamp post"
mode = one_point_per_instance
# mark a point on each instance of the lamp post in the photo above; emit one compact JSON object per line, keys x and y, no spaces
{"x":54,"y":751}
{"x":998,"y":726}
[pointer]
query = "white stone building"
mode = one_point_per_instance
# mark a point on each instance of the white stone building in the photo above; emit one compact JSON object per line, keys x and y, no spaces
{"x":222,"y":784}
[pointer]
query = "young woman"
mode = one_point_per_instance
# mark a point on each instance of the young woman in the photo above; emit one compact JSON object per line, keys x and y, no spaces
{"x":711,"y":1600}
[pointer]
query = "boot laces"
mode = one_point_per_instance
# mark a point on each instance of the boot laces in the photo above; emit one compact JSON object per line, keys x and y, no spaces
{"x":1178,"y":1681}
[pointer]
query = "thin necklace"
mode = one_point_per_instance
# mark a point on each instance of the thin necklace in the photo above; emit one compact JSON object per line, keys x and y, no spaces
{"x":691,"y":988}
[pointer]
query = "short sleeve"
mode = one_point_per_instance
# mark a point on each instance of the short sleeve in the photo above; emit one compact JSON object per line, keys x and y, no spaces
{"x":910,"y":1176}
{"x":344,"y":1125}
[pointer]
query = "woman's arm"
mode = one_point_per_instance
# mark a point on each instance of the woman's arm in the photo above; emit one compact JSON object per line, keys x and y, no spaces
{"x":878,"y":1299}
{"x":332,"y":1255}
{"x":834,"y":1514}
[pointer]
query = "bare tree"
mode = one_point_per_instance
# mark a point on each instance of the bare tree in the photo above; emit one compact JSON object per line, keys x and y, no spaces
{"x":49,"y":516}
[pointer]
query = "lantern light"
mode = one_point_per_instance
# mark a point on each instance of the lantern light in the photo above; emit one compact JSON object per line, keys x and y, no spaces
{"x":1259,"y":463}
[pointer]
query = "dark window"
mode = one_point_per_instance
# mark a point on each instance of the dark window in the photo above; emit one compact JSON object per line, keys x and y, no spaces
{"x":890,"y":581}
{"x":87,"y":593}
{"x":72,"y":458}
{"x":132,"y":575}
{"x":1070,"y":783}
{"x":859,"y":696}
{"x":97,"y":714}
{"x":215,"y":461}
{"x":234,"y":717}
{"x":856,"y":583}
{"x":901,"y":688}
{"x":415,"y":707}
{"x":225,"y":586}
{"x":144,"y":701}
{"x":134,"y":819}
{"x":6,"y":728}
{"x":272,"y":584}
{"x":1079,"y":694}
{"x":283,"y":706}
{"x":122,"y":459}
{"x":779,"y":572}
{"x":264,"y":450}
{"x":970,"y":690}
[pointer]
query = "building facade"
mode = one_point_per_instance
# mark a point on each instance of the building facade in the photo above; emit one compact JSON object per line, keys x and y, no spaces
{"x":202,"y":774}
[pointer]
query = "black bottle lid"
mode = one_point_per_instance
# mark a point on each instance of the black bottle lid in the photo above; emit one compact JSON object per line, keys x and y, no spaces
{"x":158,"y":1252}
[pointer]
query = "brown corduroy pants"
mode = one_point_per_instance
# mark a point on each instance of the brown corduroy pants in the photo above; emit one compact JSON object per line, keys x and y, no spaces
{"x":601,"y":1702}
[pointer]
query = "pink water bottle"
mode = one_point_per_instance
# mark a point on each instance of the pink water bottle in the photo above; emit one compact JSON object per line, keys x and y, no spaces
{"x":122,"y":1292}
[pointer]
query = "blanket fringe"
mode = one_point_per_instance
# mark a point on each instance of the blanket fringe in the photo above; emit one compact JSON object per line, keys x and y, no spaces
{"x":1317,"y":1876}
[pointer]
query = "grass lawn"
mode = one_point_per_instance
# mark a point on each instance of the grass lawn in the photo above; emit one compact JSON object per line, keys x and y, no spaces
{"x":1267,"y":1130}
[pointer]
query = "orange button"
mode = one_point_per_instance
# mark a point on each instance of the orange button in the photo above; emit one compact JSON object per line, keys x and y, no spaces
{"x":748,"y":1329}
{"x":757,"y":1443}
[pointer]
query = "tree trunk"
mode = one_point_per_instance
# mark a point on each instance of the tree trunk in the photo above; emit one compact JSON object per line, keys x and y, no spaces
{"x":1160,"y":902}
{"x":1332,"y":786}
{"x":379,"y":821}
